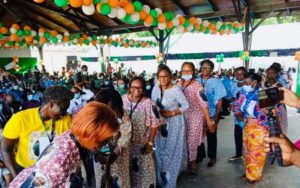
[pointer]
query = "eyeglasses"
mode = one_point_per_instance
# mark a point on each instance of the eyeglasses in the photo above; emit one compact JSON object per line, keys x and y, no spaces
{"x":108,"y":146}
{"x":136,"y":88}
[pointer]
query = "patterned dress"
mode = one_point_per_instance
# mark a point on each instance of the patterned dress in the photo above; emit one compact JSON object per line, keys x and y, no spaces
{"x":256,"y":129}
{"x":142,"y":167}
{"x":120,"y":168}
{"x":56,"y":166}
{"x":171,"y":152}
{"x":194,"y":118}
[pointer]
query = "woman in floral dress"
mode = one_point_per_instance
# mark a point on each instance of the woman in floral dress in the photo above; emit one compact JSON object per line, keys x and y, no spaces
{"x":196,"y":115}
{"x":171,"y":150}
{"x":144,"y":125}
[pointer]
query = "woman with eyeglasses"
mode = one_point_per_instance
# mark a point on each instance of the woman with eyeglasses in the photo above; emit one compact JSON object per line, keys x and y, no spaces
{"x":144,"y":122}
{"x":94,"y":129}
{"x":196,"y":114}
{"x":246,"y":107}
{"x":171,"y":153}
{"x":120,"y":168}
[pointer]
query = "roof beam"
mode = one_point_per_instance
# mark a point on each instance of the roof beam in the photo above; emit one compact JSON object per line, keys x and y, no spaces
{"x":181,"y":8}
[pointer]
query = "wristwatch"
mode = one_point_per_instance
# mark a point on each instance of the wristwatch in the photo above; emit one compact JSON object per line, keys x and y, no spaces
{"x":173,"y":113}
{"x":150,"y":143}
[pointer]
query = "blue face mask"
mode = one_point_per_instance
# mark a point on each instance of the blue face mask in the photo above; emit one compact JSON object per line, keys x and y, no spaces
{"x":30,"y":97}
{"x":187,"y":77}
{"x":106,"y":83}
{"x":247,"y":89}
{"x":148,"y":87}
{"x":122,"y":86}
{"x":77,"y":95}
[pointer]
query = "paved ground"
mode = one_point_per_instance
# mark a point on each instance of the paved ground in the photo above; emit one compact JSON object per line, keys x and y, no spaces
{"x":227,"y":175}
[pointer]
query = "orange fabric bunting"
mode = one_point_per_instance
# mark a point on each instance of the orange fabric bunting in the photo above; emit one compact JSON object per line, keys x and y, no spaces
{"x":161,"y":18}
{"x":75,"y":3}
{"x":113,"y":3}
{"x":129,"y":8}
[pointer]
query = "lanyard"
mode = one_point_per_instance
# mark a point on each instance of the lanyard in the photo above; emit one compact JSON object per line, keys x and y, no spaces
{"x":161,"y":92}
{"x":52,"y":134}
{"x":183,"y":88}
{"x":132,"y":109}
{"x":204,"y":83}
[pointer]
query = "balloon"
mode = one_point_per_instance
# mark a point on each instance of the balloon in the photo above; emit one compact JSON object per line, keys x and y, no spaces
{"x":169,"y":25}
{"x":247,"y":58}
{"x":54,"y":40}
{"x":186,"y":23}
{"x":87,"y":2}
{"x":59,"y":37}
{"x":87,"y":42}
{"x":180,"y":28}
{"x":13,"y":30}
{"x":129,"y":8}
{"x":38,"y":1}
{"x":47,"y":35}
{"x":75,"y":3}
{"x":190,"y":28}
{"x":88,"y":10}
{"x":137,"y":6}
{"x":16,"y":26}
{"x":113,"y":13}
{"x":26,"y":27}
{"x":175,"y":22}
{"x":146,"y":8}
{"x":143,"y":15}
{"x":153,"y":13}
{"x":121,"y":13}
{"x":135,"y":17}
{"x":1,"y":35}
{"x":33,"y":33}
{"x":161,"y":26}
{"x":161,"y":18}
{"x":105,"y":9}
{"x":113,"y":3}
{"x":181,"y":20}
{"x":14,"y":37}
{"x":61,"y":3}
{"x":96,"y":1}
{"x":28,"y":39}
{"x":20,"y":33}
{"x":205,"y":23}
{"x":66,"y":33}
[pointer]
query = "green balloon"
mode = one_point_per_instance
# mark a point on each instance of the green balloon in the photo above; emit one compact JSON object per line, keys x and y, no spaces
{"x":247,"y":58}
{"x":94,"y":37}
{"x":71,"y":37}
{"x":77,"y":35}
{"x":186,"y":23}
{"x":221,"y":56}
{"x":137,"y":6}
{"x":10,"y":43}
{"x":114,"y":43}
{"x":105,"y":9}
{"x":86,"y":41}
{"x":27,"y":32}
{"x":54,"y":40}
{"x":102,"y":41}
{"x":47,"y":35}
{"x":153,"y":13}
{"x":155,"y":22}
{"x":96,"y":1}
{"x":61,"y":3}
{"x":1,"y":35}
{"x":21,"y":42}
{"x":127,"y":19}
{"x":20,"y":33}
{"x":1,"y":24}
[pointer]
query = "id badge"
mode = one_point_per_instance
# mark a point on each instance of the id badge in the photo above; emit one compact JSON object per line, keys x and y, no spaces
{"x":44,"y":142}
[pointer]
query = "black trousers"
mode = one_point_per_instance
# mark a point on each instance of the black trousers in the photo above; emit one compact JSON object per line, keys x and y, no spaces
{"x":238,"y":139}
{"x":211,"y":146}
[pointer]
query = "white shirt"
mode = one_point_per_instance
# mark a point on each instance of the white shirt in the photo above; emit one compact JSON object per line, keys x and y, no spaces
{"x":77,"y":104}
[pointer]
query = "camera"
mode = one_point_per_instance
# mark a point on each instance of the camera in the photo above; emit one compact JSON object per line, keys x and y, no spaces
{"x":269,"y":97}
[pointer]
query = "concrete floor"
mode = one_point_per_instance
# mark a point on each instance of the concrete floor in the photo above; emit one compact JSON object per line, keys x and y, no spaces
{"x":228,"y":175}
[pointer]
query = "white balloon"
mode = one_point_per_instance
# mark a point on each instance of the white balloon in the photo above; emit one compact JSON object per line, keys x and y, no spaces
{"x":190,"y":27}
{"x":75,"y":41}
{"x":88,"y":10}
{"x":17,"y":44}
{"x":178,"y":15}
{"x":146,"y":8}
{"x":180,"y":28}
{"x":41,"y":34}
{"x":89,"y":38}
{"x":6,"y":45}
{"x":199,"y":21}
{"x":162,"y":26}
{"x":175,"y":22}
{"x":33,"y":33}
{"x":66,"y":33}
{"x":104,"y":1}
{"x":135,"y":16}
{"x":205,"y":23}
{"x":159,"y":11}
{"x":59,"y":36}
{"x":35,"y":41}
{"x":121,"y":13}
{"x":218,"y":25}
{"x":13,"y":30}
{"x":147,"y":25}
{"x":113,"y":13}
{"x":102,"y":45}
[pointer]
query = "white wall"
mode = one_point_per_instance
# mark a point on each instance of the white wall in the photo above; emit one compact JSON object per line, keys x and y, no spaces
{"x":19,"y":53}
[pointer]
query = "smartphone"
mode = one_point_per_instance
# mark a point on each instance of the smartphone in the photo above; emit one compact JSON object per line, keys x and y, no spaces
{"x":269,"y":97}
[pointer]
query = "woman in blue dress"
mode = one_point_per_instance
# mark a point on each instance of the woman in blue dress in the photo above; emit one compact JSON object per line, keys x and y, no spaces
{"x":171,"y":152}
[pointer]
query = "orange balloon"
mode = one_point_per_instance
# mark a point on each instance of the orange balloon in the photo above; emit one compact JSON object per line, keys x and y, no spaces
{"x":53,"y":33}
{"x":39,"y":1}
{"x":181,"y":20}
{"x":75,"y":3}
{"x":14,"y":37}
{"x":4,"y":30}
{"x":98,"y":7}
{"x":84,"y":36}
{"x":80,"y":41}
{"x":26,"y":27}
{"x":123,"y":3}
{"x":193,"y":20}
{"x":28,"y":39}
{"x":113,"y":3}
{"x":87,"y":2}
{"x":42,"y":30}
{"x":94,"y":43}
{"x":129,"y":8}
{"x":16,"y":26}
{"x":126,"y":45}
{"x":149,"y":20}
{"x":197,"y":27}
{"x":169,"y":25}
{"x":66,"y":38}
{"x":211,"y":26}
{"x":43,"y":40}
{"x":161,"y":18}
{"x":143,"y":15}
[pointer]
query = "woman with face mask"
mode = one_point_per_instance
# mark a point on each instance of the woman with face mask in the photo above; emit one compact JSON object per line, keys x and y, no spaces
{"x":171,"y":150}
{"x":246,"y":107}
{"x":196,"y":114}
{"x":121,"y":87}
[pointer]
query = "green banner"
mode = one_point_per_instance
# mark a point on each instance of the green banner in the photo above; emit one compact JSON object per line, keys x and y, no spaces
{"x":25,"y":63}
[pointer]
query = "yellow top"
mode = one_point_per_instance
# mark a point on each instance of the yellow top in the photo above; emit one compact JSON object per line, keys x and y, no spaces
{"x":33,"y":134}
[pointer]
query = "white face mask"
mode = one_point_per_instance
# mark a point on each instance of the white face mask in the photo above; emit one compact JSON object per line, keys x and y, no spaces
{"x":29,"y":97}
{"x":15,"y":87}
{"x":187,"y":77}
{"x":247,"y":89}
{"x":84,"y":73}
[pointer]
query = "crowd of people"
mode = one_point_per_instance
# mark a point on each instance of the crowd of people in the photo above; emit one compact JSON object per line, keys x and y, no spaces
{"x":122,"y":129}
